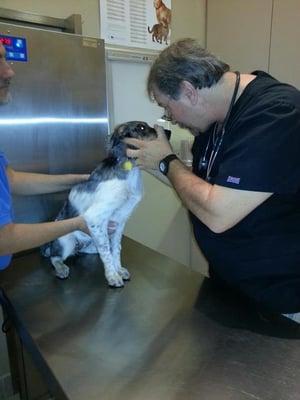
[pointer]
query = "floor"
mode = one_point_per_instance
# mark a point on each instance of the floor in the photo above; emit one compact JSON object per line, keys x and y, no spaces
{"x":6,"y":391}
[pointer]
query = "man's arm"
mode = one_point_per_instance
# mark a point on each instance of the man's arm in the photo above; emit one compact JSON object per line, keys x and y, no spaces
{"x":218,"y":207}
{"x":18,"y":237}
{"x":27,"y":183}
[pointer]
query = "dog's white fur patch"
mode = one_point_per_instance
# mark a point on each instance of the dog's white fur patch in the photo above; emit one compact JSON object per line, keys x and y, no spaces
{"x":114,"y":200}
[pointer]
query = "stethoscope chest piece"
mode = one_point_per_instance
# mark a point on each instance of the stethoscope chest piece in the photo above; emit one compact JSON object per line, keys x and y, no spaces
{"x":203,"y":164}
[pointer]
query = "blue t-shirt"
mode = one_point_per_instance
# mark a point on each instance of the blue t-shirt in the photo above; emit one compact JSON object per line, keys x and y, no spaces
{"x":5,"y":205}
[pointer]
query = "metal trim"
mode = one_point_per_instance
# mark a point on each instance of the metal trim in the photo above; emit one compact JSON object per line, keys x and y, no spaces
{"x":119,"y":53}
{"x":71,"y":24}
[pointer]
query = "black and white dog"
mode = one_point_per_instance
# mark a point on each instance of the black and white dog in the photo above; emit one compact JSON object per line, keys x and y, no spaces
{"x":111,"y":193}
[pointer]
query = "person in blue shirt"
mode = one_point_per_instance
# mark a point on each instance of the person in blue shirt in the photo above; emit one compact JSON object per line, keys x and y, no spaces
{"x":17,"y":237}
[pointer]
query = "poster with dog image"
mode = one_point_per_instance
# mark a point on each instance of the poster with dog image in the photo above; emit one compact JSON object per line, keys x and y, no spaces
{"x":136,"y":23}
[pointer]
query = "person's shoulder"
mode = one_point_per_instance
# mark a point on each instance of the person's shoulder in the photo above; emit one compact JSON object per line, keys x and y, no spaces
{"x":3,"y":159}
{"x":271,"y":88}
{"x":265,"y":93}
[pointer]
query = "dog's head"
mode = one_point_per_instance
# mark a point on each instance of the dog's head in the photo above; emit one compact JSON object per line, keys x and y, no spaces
{"x":132,"y":129}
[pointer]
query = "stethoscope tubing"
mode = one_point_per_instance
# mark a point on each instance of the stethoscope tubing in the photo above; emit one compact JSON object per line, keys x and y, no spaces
{"x":217,"y":142}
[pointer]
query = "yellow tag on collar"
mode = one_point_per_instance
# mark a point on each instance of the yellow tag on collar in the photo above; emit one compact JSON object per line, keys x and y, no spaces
{"x":127,"y":165}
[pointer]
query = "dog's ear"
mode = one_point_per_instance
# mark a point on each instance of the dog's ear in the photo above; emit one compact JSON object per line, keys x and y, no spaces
{"x":117,"y":135}
{"x":114,"y":139}
{"x":116,"y":146}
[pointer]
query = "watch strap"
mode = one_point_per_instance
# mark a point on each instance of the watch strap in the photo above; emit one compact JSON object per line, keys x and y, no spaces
{"x":166,"y":161}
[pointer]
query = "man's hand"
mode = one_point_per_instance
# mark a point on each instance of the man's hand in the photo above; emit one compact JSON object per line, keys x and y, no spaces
{"x":149,"y":152}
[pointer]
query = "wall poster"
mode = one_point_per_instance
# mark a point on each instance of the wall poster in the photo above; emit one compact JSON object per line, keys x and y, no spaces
{"x":136,"y":23}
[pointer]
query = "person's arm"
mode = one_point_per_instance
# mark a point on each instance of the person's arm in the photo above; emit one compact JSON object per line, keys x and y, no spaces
{"x":18,"y":237}
{"x":218,"y":207}
{"x":27,"y":183}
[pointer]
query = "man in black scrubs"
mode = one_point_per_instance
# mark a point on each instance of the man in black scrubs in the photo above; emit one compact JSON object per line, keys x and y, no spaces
{"x":243,"y":193}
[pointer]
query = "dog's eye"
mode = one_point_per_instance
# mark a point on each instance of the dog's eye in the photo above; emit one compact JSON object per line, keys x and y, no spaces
{"x":140,"y":127}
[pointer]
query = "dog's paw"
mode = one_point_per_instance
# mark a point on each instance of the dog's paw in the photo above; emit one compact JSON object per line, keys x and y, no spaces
{"x":62,"y":272}
{"x":115,"y":280}
{"x":124,"y":273}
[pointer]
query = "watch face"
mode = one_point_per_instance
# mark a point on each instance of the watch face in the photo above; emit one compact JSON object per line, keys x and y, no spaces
{"x":162,"y":167}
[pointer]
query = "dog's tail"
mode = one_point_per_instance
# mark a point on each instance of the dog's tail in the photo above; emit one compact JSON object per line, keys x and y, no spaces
{"x":150,"y":30}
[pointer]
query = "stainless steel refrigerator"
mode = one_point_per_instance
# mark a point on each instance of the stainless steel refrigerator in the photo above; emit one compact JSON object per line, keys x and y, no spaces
{"x":57,"y":119}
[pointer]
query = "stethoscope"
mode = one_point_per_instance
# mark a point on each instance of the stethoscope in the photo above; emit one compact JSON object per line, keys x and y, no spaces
{"x":216,"y":139}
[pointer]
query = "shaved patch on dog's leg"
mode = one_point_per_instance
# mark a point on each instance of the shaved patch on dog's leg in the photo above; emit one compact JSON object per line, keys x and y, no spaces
{"x":62,"y":271}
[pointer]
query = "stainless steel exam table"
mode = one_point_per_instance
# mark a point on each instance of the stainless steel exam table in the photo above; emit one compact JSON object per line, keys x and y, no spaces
{"x":169,"y":334}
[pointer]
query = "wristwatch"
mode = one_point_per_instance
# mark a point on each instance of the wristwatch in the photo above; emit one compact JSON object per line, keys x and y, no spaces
{"x":164,"y":163}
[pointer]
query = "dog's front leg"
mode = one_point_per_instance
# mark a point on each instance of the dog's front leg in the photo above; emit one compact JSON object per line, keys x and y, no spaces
{"x":100,"y":237}
{"x":115,"y":244}
{"x":122,"y":215}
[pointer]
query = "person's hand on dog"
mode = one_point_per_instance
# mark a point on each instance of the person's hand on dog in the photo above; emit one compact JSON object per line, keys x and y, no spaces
{"x":82,"y":226}
{"x":149,"y":152}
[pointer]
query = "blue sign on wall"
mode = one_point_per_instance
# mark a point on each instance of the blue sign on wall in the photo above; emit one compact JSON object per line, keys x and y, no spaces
{"x":16,"y":48}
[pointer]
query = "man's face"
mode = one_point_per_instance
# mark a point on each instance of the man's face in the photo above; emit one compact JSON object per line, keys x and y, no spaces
{"x":173,"y":109}
{"x":183,"y":112}
{"x":6,"y":74}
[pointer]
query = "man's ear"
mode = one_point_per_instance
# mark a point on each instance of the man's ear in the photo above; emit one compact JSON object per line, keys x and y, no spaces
{"x":189,"y":91}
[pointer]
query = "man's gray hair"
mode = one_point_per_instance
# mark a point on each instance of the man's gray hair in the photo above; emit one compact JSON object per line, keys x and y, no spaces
{"x":184,"y":60}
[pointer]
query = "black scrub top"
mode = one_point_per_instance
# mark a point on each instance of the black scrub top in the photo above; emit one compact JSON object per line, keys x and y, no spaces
{"x":260,"y":151}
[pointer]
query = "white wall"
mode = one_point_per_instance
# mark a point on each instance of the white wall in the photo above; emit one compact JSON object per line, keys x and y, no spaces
{"x":188,"y":19}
